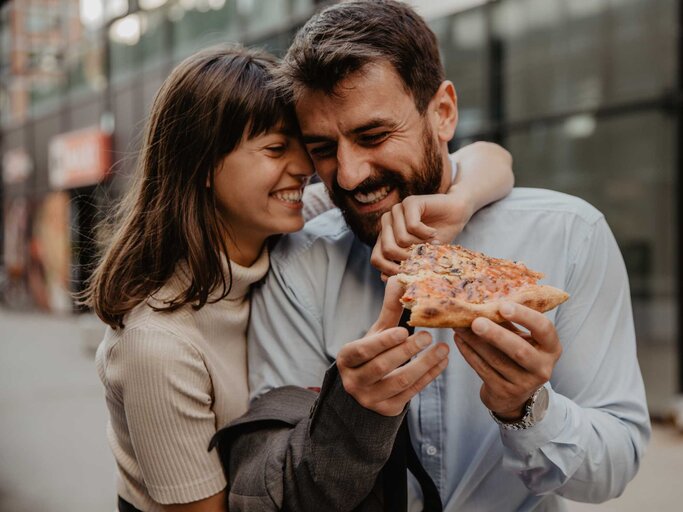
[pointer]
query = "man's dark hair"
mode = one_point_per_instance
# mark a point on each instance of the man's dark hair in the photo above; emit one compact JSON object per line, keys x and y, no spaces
{"x":343,"y":38}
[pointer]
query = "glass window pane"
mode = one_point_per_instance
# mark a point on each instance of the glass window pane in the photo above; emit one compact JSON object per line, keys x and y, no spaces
{"x":463,"y":45}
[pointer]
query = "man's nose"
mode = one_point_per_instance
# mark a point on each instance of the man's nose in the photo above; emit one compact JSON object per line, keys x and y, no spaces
{"x":352,"y":167}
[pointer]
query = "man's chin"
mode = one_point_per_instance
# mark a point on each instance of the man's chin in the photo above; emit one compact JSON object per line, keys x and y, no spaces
{"x":366,"y":227}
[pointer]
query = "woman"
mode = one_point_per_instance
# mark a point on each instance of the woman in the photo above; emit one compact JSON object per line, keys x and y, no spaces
{"x":221,"y":173}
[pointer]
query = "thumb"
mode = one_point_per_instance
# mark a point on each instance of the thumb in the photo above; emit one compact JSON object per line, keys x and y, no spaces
{"x":392,"y":309}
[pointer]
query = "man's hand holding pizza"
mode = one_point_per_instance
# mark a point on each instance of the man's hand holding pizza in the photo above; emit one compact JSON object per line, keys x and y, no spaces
{"x":512,"y":364}
{"x":377,"y":370}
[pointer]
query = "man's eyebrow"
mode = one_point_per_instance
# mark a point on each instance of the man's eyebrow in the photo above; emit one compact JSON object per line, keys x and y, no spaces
{"x":312,"y":139}
{"x":370,"y":125}
{"x":374,"y":123}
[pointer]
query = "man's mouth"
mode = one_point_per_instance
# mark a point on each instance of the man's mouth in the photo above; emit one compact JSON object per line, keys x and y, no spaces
{"x":374,"y":196}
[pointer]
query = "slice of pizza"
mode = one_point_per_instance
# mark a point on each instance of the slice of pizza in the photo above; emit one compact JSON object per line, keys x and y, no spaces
{"x":450,"y":286}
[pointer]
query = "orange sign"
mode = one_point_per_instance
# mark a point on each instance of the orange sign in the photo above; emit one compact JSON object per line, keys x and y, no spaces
{"x":79,"y":158}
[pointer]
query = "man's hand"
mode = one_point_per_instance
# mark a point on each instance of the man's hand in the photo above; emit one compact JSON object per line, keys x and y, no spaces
{"x":372,"y":368}
{"x":417,"y":219}
{"x":512,"y":364}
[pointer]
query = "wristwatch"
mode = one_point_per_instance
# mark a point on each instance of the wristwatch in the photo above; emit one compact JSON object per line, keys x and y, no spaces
{"x":534,"y":411}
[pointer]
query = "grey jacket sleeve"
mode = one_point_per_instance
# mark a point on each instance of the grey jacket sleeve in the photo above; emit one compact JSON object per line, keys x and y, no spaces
{"x":296,"y":450}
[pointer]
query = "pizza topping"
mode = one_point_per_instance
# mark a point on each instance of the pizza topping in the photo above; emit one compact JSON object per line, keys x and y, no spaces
{"x":441,"y":279}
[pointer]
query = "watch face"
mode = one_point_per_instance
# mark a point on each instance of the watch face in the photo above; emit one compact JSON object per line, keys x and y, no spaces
{"x":540,"y":405}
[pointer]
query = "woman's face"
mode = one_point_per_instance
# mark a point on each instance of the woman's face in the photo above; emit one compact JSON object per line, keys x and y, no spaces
{"x":259,"y":185}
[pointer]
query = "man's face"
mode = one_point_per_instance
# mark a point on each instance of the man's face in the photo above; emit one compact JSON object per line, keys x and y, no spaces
{"x":371,"y":147}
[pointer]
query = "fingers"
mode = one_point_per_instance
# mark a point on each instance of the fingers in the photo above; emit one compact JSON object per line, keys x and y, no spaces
{"x":505,"y":342}
{"x":481,"y":367}
{"x":389,"y":395}
{"x":359,"y":352}
{"x":494,"y":358}
{"x":392,"y":309}
{"x":380,"y":262}
{"x":541,"y":328}
{"x":393,"y":249}
{"x":399,"y":401}
{"x":386,"y":362}
{"x":413,"y":209}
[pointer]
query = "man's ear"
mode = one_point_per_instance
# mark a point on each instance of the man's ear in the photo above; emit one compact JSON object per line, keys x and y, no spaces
{"x":443,"y":108}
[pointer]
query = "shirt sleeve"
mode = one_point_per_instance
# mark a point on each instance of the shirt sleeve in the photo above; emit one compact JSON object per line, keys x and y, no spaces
{"x":316,"y":201}
{"x":285,"y":336}
{"x":167,"y":400}
{"x":591,"y":441}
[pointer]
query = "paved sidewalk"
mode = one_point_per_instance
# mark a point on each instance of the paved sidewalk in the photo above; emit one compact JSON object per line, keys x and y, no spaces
{"x":53,"y":451}
{"x":54,"y":456}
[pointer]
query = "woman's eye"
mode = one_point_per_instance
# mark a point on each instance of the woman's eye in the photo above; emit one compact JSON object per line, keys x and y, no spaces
{"x":276,"y":148}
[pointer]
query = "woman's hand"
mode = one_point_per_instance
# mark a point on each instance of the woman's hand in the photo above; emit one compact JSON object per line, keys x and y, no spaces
{"x":484,"y":175}
{"x":429,"y":218}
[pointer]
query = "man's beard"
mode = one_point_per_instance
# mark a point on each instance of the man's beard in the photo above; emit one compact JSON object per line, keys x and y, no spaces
{"x":426,"y":180}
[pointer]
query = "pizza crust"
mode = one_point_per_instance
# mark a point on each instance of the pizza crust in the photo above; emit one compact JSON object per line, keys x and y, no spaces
{"x":456,"y":313}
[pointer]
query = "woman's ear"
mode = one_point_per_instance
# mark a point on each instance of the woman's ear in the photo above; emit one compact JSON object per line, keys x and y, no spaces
{"x":444,"y":109}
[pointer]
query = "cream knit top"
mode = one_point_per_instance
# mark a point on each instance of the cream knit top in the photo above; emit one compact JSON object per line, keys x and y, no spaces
{"x":171,"y":380}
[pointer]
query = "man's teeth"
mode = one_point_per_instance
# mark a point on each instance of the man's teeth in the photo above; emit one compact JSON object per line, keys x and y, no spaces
{"x":289,"y":196}
{"x":372,"y":197}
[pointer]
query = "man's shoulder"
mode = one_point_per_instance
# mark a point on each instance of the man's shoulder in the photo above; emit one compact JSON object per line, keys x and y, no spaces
{"x":544,"y":202}
{"x":326,"y":232}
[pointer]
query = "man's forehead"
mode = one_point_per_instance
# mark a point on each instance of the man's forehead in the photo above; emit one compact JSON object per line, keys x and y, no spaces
{"x":370,"y":94}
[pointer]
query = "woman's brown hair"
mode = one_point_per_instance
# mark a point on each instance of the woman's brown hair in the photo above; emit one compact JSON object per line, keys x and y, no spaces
{"x":209,"y":102}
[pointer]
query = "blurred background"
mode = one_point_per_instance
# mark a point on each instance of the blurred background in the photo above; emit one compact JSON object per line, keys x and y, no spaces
{"x":586,"y":95}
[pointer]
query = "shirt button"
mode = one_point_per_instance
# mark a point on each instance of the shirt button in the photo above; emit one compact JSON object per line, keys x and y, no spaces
{"x":431,"y":450}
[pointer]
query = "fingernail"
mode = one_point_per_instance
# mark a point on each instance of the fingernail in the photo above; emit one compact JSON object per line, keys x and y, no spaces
{"x":442,"y":351}
{"x":480,"y":326}
{"x":423,"y":339}
{"x":507,"y":309}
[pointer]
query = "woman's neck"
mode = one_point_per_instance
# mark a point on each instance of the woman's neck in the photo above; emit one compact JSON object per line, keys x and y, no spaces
{"x":244,"y":250}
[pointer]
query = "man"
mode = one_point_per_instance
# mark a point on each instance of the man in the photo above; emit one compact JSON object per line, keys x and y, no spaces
{"x":509,"y":425}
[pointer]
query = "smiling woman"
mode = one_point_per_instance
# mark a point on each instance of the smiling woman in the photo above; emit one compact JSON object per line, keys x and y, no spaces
{"x":256,"y":205}
{"x":221,"y":170}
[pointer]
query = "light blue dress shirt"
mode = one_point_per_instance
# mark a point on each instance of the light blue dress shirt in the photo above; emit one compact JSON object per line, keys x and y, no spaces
{"x":322,"y":293}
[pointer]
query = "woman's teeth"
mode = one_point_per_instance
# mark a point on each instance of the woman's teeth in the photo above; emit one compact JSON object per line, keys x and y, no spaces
{"x":372,"y":197}
{"x":289,"y":196}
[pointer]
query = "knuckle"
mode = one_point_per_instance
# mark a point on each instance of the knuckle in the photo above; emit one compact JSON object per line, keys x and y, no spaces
{"x":558,"y":351}
{"x":546,"y":327}
{"x":545,"y":374}
{"x":363,"y":401}
{"x":402,"y":381}
{"x":381,"y":368}
{"x":522,"y":354}
{"x":350,"y":386}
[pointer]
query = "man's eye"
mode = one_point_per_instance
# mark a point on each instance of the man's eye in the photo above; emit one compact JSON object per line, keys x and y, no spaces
{"x":325,"y":151}
{"x":373,"y":138}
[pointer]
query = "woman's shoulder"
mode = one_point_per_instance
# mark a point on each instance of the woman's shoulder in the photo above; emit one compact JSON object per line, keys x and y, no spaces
{"x":152,"y":345}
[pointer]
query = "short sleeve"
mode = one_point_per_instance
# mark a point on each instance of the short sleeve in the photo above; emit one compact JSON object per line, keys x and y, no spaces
{"x":167,"y":399}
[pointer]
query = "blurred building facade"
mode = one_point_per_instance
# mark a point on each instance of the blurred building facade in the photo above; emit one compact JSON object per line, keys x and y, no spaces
{"x":584,"y":93}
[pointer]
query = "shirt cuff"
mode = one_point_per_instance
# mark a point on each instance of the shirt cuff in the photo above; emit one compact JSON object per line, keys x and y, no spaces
{"x":530,"y":439}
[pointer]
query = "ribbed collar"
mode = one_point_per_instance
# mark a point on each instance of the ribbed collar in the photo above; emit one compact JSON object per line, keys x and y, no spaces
{"x":244,"y":277}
